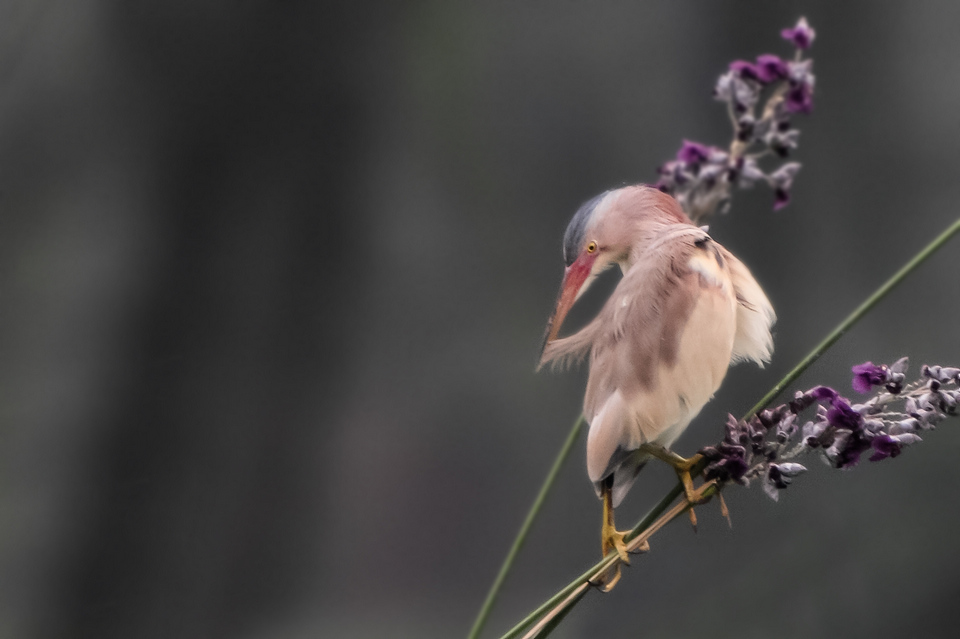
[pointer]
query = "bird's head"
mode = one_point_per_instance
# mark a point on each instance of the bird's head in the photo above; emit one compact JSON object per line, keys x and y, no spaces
{"x":611,"y":228}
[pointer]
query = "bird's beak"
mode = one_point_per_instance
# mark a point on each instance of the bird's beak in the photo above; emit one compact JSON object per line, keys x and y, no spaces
{"x":573,"y":278}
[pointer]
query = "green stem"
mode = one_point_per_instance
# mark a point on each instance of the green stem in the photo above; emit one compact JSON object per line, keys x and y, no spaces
{"x":664,"y":503}
{"x":855,"y":316}
{"x":525,"y":529}
{"x":644,"y":523}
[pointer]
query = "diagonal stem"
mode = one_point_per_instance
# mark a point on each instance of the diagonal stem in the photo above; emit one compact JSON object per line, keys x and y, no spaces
{"x":525,"y":529}
{"x":651,"y":523}
{"x":661,"y":506}
{"x":856,"y":315}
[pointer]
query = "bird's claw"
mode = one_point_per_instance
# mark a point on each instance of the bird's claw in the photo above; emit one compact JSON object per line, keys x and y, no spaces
{"x":699,"y":496}
{"x":611,"y":576}
{"x":612,"y":539}
{"x":608,"y":579}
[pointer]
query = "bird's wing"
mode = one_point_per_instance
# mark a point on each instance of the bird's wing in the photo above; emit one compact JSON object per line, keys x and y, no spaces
{"x":755,"y":315}
{"x":660,"y":348}
{"x":639,"y":328}
{"x":572,"y":349}
{"x":648,"y":293}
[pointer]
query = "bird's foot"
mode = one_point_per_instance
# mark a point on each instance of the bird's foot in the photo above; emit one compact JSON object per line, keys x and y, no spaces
{"x":683,"y":466}
{"x":696,"y":496}
{"x":613,"y":539}
{"x":605,"y":581}
{"x":724,"y":510}
{"x":609,"y":578}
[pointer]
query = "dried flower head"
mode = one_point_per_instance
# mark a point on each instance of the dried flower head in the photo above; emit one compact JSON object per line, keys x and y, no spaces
{"x":839,"y":431}
{"x":701,"y":176}
{"x":801,"y":35}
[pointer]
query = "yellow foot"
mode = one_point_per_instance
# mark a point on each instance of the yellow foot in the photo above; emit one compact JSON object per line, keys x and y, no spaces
{"x":612,"y":539}
{"x":700,"y":496}
{"x":642,"y":547}
{"x":607,"y":580}
{"x":724,"y":510}
{"x":682,"y":466}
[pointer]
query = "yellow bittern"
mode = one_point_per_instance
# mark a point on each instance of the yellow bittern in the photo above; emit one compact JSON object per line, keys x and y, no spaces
{"x":685,"y":310}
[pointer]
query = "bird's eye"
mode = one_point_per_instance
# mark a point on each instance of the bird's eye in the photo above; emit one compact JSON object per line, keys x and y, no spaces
{"x":592,"y":247}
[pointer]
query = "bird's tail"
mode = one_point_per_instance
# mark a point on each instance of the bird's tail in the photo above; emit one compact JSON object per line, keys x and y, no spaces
{"x":755,"y":316}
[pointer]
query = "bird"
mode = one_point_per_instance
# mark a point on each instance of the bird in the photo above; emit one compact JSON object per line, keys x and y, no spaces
{"x":683,"y":312}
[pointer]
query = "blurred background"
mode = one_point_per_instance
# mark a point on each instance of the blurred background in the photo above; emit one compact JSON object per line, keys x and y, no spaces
{"x":273,"y":278}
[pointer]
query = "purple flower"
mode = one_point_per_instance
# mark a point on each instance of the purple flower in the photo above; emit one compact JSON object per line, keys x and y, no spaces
{"x":801,"y":35}
{"x":812,"y":432}
{"x":782,"y":474}
{"x":900,"y":366}
{"x":908,"y":425}
{"x":782,"y":142}
{"x":885,"y":446}
{"x":737,"y":91}
{"x":928,"y":417}
{"x":693,"y":152}
{"x":850,"y":438}
{"x":728,"y":459}
{"x":874,"y":426}
{"x":823,"y":392}
{"x":950,"y":401}
{"x":891,"y":445}
{"x":762,"y":95}
{"x":941,"y":373}
{"x":727,"y":462}
{"x":799,"y":99}
{"x":672,"y":175}
{"x":781,"y":180}
{"x":846,"y":449}
{"x":762,"y":447}
{"x":781,"y":197}
{"x":802,"y":401}
{"x":723,"y":90}
{"x":768,"y":418}
{"x":842,"y":415}
{"x":745,"y":127}
{"x":787,"y":427}
{"x":745,"y":172}
{"x":779,"y":477}
{"x":746,"y":70}
{"x":727,"y":469}
{"x":770,"y":68}
{"x":736,"y":432}
{"x":868,"y":375}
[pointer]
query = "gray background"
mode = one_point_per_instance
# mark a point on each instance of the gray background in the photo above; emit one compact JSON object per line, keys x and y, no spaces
{"x":273,"y":278}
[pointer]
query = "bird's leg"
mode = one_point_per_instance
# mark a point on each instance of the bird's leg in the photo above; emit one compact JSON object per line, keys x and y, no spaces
{"x":682,"y":465}
{"x":611,"y":539}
